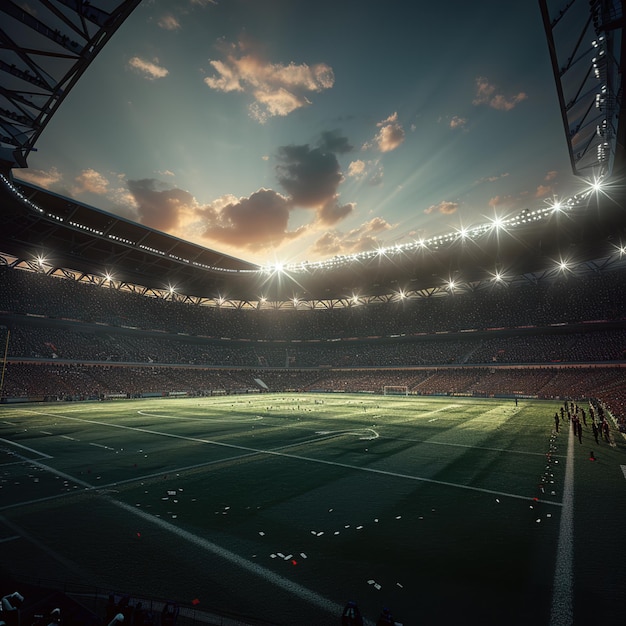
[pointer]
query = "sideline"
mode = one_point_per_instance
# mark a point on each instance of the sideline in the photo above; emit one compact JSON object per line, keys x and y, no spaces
{"x":562,"y":611}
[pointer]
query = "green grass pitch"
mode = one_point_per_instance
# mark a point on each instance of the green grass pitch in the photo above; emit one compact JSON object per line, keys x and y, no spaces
{"x":284,"y":507}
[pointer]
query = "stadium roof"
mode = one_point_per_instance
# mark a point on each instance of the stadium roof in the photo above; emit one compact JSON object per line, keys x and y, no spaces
{"x":41,"y":224}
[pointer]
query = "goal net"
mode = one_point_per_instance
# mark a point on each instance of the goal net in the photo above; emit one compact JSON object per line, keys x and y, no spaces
{"x":395,"y":390}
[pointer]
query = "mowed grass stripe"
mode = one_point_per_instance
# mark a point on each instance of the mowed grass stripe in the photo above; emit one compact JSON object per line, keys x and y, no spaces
{"x":306,"y":459}
{"x":278,"y":476}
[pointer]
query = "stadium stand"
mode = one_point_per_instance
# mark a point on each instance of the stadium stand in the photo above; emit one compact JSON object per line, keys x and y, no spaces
{"x":68,"y":341}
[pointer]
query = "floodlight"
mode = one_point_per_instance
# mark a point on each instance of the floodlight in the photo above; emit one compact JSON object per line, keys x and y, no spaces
{"x":597,"y":184}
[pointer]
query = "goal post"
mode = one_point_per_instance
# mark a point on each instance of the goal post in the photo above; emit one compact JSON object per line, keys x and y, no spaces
{"x":395,"y":390}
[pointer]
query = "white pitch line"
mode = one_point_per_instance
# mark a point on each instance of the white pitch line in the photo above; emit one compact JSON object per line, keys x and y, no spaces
{"x":275,"y":579}
{"x":302,"y":458}
{"x":623,"y":470}
{"x":88,"y":487}
{"x":19,"y":445}
{"x":231,"y":420}
{"x":562,"y":612}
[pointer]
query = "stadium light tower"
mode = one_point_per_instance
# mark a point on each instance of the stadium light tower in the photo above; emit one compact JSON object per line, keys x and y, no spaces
{"x":586,"y":52}
{"x":46,"y":49}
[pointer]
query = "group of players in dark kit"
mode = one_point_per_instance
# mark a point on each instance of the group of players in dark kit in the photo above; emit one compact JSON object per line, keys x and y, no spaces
{"x":577,"y":417}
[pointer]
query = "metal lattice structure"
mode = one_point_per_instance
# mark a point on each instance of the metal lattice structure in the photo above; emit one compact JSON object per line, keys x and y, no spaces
{"x":45,"y":46}
{"x":585,"y":42}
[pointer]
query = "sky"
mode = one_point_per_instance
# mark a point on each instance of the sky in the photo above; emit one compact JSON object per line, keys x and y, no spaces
{"x":287,"y":131}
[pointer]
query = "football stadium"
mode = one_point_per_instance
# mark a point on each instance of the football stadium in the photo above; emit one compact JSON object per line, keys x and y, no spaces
{"x":432,"y":432}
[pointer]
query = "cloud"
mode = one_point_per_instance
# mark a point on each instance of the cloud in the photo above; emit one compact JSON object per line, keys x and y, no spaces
{"x":332,"y":141}
{"x":445,"y":207}
{"x":356,"y":169}
{"x":501,"y":201}
{"x":486,"y":94}
{"x":332,"y":212}
{"x":458,"y":122}
{"x":543,"y":190}
{"x":311,"y":177}
{"x":390,"y":135}
{"x":42,"y":178}
{"x":148,"y":69}
{"x":371,"y":171}
{"x":492,"y":179}
{"x":257,"y":222}
{"x":551,"y":175}
{"x":333,"y":243}
{"x":277,"y":89}
{"x":90,"y":181}
{"x":168,"y":22}
{"x":159,"y":207}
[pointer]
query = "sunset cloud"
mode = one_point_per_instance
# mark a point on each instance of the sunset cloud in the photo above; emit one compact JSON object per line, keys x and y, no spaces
{"x":372,"y":172}
{"x":389,"y":137}
{"x":356,"y":169}
{"x":160,"y":207}
{"x":457,"y":122}
{"x":502,"y":201}
{"x":543,"y":190}
{"x":309,"y":175}
{"x":255,"y":223}
{"x":360,"y":239}
{"x":445,"y":207}
{"x":168,"y":22}
{"x":277,"y":89}
{"x":492,"y":179}
{"x":150,"y":70}
{"x":42,"y":178}
{"x":487,"y":93}
{"x":90,"y":181}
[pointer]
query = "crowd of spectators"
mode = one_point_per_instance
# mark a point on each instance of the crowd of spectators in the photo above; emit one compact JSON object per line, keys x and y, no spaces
{"x":77,"y":340}
{"x":569,"y":300}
